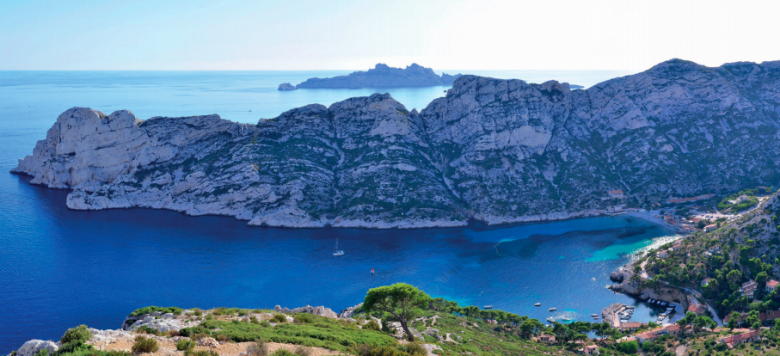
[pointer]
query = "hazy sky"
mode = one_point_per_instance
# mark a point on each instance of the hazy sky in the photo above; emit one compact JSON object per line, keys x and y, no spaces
{"x":447,"y":34}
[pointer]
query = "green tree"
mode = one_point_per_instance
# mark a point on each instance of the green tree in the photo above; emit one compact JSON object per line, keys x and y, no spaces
{"x":734,"y":320}
{"x":401,"y":300}
{"x":734,"y":277}
{"x":761,"y":279}
{"x":629,"y":347}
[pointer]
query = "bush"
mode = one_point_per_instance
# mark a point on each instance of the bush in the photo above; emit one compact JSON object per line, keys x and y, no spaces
{"x":257,"y":349}
{"x":265,"y":323}
{"x":629,"y":347}
{"x":200,"y":353}
{"x":184,"y":345}
{"x":223,"y":337}
{"x":194,"y":331}
{"x":371,"y":325}
{"x":147,"y":330}
{"x":302,"y":318}
{"x":386,"y":351}
{"x":415,"y":349}
{"x":279,"y":318}
{"x":79,"y":333}
{"x":253,"y":320}
{"x":282,"y":352}
{"x":143,"y":344}
{"x":152,"y":309}
{"x":302,"y":351}
{"x":42,"y":352}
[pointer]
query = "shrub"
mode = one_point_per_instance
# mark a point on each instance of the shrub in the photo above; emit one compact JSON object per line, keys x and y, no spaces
{"x":143,"y":344}
{"x":257,"y":349}
{"x":223,"y":337}
{"x":253,"y":320}
{"x":282,"y":352}
{"x":194,"y":331}
{"x":302,"y":351}
{"x":42,"y":352}
{"x":386,"y":351}
{"x":79,"y":333}
{"x":209,"y":317}
{"x":415,"y":349}
{"x":302,"y":318}
{"x":200,"y":353}
{"x":152,"y":309}
{"x":279,"y":318}
{"x":371,"y":325}
{"x":147,"y":330}
{"x":184,"y":345}
{"x":265,"y":323}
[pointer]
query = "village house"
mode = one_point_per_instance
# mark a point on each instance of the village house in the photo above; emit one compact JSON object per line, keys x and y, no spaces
{"x":617,"y":194}
{"x":733,"y":340}
{"x":710,"y":227}
{"x":662,"y":254}
{"x":672,"y":329}
{"x":771,"y":285}
{"x":550,"y":339}
{"x":677,"y":246}
{"x":632,"y":326}
{"x":591,"y":350}
{"x":705,"y":281}
{"x":749,"y":287}
{"x":695,"y":306}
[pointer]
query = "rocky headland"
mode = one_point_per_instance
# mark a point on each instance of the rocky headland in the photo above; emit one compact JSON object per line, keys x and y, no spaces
{"x":381,"y":76}
{"x":498,"y":151}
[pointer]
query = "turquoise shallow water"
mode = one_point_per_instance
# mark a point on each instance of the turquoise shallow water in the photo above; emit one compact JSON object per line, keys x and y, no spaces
{"x":59,"y":267}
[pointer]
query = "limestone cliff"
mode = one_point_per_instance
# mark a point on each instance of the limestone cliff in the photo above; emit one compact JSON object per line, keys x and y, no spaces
{"x":493,"y":150}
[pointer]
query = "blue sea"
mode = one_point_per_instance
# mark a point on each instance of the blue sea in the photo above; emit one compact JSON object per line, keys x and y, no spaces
{"x":60,"y":268}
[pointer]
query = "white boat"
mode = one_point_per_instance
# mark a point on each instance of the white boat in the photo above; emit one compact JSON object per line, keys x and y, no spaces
{"x":538,"y":304}
{"x":552,"y":309}
{"x":336,"y":251}
{"x":565,"y":319}
{"x":594,"y":315}
{"x":488,"y":307}
{"x":550,"y":319}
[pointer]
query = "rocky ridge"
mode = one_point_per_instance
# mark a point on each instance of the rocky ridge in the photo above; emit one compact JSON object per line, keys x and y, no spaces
{"x":494,"y":150}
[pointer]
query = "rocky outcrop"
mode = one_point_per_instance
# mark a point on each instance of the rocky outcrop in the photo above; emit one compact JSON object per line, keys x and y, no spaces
{"x":382,"y":76}
{"x":32,"y":347}
{"x":286,"y":86}
{"x":349,"y":312}
{"x":321,"y":311}
{"x":494,"y":150}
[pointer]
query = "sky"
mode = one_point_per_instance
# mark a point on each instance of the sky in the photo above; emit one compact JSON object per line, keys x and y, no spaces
{"x":339,"y":35}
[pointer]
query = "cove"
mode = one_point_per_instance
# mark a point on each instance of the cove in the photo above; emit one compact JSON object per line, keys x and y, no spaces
{"x":61,"y":267}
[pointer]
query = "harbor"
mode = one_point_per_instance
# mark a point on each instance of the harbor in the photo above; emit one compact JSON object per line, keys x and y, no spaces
{"x":618,"y":314}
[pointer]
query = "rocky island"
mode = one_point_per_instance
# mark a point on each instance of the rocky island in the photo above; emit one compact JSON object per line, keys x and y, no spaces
{"x":498,"y":151}
{"x":382,"y":76}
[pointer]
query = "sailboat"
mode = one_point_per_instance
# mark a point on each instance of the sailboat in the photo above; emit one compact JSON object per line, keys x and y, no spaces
{"x":336,"y":251}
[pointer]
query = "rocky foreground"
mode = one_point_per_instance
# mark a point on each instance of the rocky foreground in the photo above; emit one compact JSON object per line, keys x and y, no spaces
{"x":498,"y":151}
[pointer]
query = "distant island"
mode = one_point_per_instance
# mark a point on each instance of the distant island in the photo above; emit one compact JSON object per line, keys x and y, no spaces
{"x":382,"y":75}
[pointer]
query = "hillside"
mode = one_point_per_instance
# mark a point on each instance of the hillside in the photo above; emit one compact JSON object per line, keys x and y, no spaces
{"x":718,"y":262}
{"x":493,"y":150}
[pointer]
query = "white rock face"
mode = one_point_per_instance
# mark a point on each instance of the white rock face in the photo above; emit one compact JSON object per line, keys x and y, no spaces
{"x":494,"y":150}
{"x":32,"y":347}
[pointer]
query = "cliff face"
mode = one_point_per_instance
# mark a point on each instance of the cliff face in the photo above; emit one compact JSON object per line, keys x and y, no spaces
{"x":383,"y":76}
{"x":495,"y":150}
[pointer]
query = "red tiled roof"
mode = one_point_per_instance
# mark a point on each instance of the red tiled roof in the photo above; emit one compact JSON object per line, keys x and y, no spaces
{"x":616,"y":191}
{"x":739,"y":337}
{"x":772,"y":283}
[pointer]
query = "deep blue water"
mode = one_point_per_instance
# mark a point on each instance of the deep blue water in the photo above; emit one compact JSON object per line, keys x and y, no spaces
{"x":59,"y":268}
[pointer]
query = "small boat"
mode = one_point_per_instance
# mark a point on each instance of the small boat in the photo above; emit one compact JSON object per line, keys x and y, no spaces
{"x":566,"y":319}
{"x":630,"y":307}
{"x":594,"y":315}
{"x":538,"y":304}
{"x":488,"y":307}
{"x":551,"y":320}
{"x":336,"y":251}
{"x":553,"y":309}
{"x":595,"y":318}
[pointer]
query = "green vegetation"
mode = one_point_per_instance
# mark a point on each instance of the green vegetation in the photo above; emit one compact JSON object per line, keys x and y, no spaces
{"x":78,"y":348}
{"x":742,"y":200}
{"x":152,"y":309}
{"x":402,"y":301}
{"x":144,"y":344}
{"x":184,"y":345}
{"x":79,"y":333}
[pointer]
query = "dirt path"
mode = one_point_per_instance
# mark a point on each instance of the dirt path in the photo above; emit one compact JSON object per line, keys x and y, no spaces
{"x":168,"y":348}
{"x":680,"y":350}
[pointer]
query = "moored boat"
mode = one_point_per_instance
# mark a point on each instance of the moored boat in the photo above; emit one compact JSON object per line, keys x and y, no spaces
{"x":552,"y":309}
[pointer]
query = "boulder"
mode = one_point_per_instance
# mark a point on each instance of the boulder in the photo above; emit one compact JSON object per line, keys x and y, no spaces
{"x":208,"y":342}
